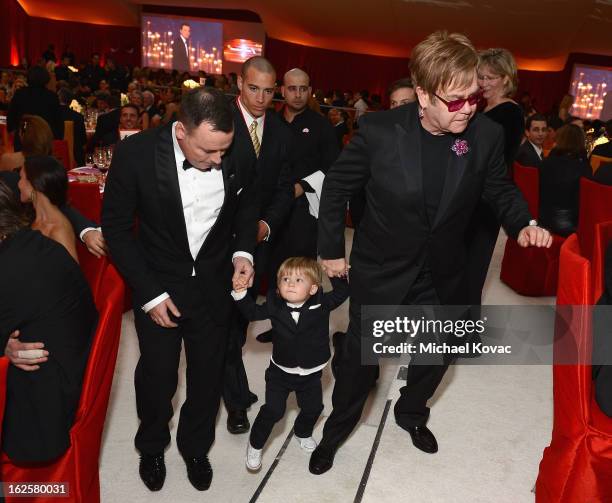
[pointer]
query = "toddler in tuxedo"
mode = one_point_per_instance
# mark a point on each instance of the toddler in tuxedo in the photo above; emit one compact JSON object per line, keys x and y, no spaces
{"x":299,"y":312}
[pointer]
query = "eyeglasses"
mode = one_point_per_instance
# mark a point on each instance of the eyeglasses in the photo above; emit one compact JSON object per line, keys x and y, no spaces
{"x":486,"y":77}
{"x":454,"y":105}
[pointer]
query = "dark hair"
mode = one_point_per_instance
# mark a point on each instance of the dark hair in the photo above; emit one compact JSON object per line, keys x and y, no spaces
{"x":400,"y":84}
{"x":569,"y":142}
{"x":35,"y":135}
{"x":65,"y":95}
{"x":534,"y":117}
{"x":184,"y":24}
{"x":129,"y":106}
{"x":47,"y":176}
{"x":260,"y":63}
{"x":206,"y":104}
{"x":12,"y":217}
{"x":365,"y":94}
{"x":38,"y":76}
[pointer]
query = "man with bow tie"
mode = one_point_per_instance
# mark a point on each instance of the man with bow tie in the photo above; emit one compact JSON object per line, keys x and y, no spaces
{"x":196,"y":216}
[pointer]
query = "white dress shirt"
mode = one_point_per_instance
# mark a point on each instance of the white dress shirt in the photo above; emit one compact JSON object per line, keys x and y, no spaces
{"x":248,"y":118}
{"x":202,"y":196}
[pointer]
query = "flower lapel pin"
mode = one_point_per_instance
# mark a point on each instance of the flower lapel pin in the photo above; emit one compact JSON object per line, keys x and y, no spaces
{"x":460,"y":147}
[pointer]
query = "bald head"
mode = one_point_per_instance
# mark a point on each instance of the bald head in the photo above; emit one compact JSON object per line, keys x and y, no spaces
{"x":259,"y":63}
{"x":296,"y":89}
{"x":296,"y":74}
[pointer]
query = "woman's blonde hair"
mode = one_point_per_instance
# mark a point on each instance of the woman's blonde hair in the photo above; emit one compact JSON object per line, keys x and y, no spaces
{"x":501,"y":62}
{"x":307,"y":266}
{"x":36,"y":136}
{"x":443,"y":60}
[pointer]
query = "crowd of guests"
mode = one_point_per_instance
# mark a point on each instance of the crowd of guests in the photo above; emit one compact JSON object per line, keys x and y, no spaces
{"x":269,"y":214}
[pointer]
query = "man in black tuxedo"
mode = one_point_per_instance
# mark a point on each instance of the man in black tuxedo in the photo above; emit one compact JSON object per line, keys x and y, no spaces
{"x":194,"y":208}
{"x":180,"y":49}
{"x":264,"y":144}
{"x":530,"y":152}
{"x":424,"y":166}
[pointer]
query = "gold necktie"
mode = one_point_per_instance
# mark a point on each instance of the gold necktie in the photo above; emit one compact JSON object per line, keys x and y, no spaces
{"x":254,"y":138}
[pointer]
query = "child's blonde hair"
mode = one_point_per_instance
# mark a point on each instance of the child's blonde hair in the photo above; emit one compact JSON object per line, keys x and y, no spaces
{"x":307,"y":266}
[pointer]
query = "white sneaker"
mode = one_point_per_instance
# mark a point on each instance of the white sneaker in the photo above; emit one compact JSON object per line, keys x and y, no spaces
{"x":308,"y":444}
{"x":253,"y":458}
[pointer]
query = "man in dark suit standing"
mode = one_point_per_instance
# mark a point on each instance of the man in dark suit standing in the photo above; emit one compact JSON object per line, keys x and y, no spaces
{"x":530,"y":152}
{"x":180,"y":49}
{"x":194,"y":208}
{"x":424,"y":166}
{"x":263,"y":143}
{"x":315,"y":150}
{"x":65,"y":97}
{"x":337,"y":120}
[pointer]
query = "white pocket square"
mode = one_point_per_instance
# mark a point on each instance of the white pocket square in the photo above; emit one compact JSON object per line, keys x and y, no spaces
{"x":315,"y":306}
{"x":239,"y":191}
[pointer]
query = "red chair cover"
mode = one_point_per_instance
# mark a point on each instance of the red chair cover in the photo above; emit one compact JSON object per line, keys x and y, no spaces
{"x":531,"y":271}
{"x":527,"y":179}
{"x":595,"y":207}
{"x":86,"y":198}
{"x":60,"y":150}
{"x":93,"y":268}
{"x":577,"y":466}
{"x":603,"y":236}
{"x":79,"y":465}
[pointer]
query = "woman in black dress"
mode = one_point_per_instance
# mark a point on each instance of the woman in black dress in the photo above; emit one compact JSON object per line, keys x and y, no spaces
{"x":560,"y":176}
{"x":497,"y":78}
{"x":46,"y":298}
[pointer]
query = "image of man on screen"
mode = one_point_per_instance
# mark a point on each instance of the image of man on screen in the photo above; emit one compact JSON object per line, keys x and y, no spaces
{"x":180,"y":49}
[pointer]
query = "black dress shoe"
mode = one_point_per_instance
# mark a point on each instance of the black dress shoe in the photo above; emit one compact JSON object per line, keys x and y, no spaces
{"x":321,"y":460}
{"x":423,"y":439}
{"x":152,"y":471}
{"x":199,"y":472}
{"x":265,"y":336}
{"x":237,"y":421}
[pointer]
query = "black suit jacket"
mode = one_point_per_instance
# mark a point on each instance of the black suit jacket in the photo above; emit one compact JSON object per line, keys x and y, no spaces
{"x":180,"y":60}
{"x":35,"y":101}
{"x":78,"y":221}
{"x":305,"y":344}
{"x":143,"y":183}
{"x":340,"y":130}
{"x":394,"y":238}
{"x":80,"y":136}
{"x":527,"y":156}
{"x":107,"y":123}
{"x":272,"y":167}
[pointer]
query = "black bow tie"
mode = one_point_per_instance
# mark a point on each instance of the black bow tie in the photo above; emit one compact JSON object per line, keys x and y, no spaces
{"x":187,"y":165}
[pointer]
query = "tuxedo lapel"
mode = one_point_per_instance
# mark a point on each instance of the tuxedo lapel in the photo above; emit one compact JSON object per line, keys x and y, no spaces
{"x":168,"y":186}
{"x":409,"y":145}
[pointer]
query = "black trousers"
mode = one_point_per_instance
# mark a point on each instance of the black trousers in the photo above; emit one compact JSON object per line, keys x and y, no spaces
{"x":481,"y":237}
{"x":354,"y":380}
{"x":156,"y":375}
{"x":236,"y":392}
{"x":278,"y":386}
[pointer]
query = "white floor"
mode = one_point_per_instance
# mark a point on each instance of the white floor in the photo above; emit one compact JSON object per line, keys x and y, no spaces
{"x":492,"y":424}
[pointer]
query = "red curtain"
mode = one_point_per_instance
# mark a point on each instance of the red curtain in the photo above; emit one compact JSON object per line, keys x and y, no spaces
{"x":335,"y":69}
{"x":24,"y":36}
